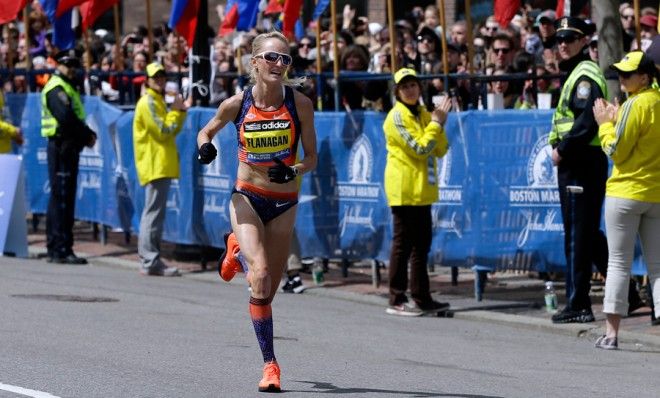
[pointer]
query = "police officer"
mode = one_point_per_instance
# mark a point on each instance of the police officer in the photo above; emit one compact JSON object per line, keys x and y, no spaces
{"x":580,"y":162}
{"x":63,"y":123}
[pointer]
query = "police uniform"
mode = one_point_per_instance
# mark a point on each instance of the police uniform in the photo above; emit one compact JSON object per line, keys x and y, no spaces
{"x":63,"y":123}
{"x":574,"y":136}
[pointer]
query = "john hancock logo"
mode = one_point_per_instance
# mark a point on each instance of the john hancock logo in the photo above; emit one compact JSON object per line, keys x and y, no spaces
{"x":359,"y":192}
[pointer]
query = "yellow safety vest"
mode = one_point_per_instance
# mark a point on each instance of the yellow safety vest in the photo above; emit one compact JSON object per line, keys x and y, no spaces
{"x":563,"y":118}
{"x":48,"y":122}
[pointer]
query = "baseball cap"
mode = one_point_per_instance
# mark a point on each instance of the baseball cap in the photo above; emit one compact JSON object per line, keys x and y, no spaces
{"x":545,"y":16}
{"x":649,"y":20}
{"x":154,"y":69}
{"x":633,"y":61}
{"x":403,"y":74}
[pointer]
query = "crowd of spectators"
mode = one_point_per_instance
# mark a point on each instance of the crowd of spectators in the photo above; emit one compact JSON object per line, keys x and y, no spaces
{"x":527,"y":45}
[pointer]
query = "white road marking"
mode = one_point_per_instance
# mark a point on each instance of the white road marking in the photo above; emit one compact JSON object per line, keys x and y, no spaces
{"x":26,"y":391}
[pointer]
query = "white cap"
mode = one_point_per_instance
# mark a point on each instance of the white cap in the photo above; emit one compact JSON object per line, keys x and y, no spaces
{"x":101,"y":33}
{"x":375,"y":28}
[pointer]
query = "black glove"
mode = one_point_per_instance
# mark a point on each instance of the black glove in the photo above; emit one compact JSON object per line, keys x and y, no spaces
{"x":207,"y":153}
{"x":281,"y":173}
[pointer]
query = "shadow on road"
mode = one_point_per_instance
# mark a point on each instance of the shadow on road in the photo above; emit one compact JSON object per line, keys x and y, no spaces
{"x":329,"y":388}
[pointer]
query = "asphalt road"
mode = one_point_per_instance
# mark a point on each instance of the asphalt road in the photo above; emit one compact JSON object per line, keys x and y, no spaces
{"x":102,"y":331}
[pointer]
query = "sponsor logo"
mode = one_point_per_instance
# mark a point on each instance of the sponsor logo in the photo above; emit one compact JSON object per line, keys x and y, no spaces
{"x":359,"y":187}
{"x":449,"y":224}
{"x":280,"y":204}
{"x":551,"y":222}
{"x":541,"y":189}
{"x":540,"y":197}
{"x":250,"y":115}
{"x":266,"y":125}
{"x":448,"y":195}
{"x":353,"y":215}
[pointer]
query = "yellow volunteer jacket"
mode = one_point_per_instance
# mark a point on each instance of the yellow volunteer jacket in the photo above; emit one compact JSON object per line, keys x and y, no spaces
{"x":154,"y":134}
{"x":7,"y":130}
{"x":413,"y":144}
{"x":633,"y":144}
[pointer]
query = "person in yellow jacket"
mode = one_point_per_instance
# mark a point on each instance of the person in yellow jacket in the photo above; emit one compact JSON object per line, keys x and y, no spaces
{"x":414,"y":139}
{"x":8,"y":132}
{"x":157,"y":163}
{"x":630,"y":136}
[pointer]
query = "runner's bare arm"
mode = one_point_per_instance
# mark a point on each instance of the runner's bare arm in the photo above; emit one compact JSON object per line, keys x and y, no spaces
{"x":226,"y":113}
{"x":307,"y":133}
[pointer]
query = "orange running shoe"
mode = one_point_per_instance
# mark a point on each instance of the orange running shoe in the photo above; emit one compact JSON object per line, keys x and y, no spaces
{"x":229,"y":263}
{"x":271,"y":380}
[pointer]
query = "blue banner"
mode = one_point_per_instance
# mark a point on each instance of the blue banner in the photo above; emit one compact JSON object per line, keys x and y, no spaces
{"x":498,"y":206}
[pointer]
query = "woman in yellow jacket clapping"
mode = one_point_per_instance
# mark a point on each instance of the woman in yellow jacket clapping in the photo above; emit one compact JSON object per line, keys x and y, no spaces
{"x":414,"y":139}
{"x":630,"y":136}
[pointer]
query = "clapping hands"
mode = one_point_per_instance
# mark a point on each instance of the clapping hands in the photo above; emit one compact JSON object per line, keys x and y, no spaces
{"x":604,"y":111}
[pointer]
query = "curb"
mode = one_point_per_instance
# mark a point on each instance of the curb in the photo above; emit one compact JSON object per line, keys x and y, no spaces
{"x":586,"y":331}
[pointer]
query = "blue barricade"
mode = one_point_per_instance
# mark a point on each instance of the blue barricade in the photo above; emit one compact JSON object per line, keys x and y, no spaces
{"x":498,"y":205}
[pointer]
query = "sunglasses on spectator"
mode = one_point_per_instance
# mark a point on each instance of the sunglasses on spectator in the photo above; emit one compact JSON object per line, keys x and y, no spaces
{"x":422,"y":39}
{"x":567,"y":40}
{"x":627,"y":16}
{"x":305,"y":44}
{"x":272,"y":57}
{"x":502,"y":50}
{"x":492,"y":28}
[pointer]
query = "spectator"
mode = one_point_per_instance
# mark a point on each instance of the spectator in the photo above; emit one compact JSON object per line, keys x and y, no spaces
{"x":355,"y":59}
{"x":502,"y":51}
{"x":156,"y":163}
{"x":628,"y":25}
{"x":63,"y":123}
{"x":649,"y":26}
{"x":414,"y":139}
{"x":490,"y":29}
{"x":431,"y":19}
{"x":630,"y":135}
{"x":37,"y":33}
{"x":504,"y":88}
{"x":8,"y":132}
{"x":458,"y":33}
{"x":593,"y":48}
{"x":545,"y":22}
{"x":428,"y":48}
{"x":293,"y":282}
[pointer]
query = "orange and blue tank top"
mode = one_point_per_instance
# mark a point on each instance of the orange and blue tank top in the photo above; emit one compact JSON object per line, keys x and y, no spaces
{"x":265,"y":135}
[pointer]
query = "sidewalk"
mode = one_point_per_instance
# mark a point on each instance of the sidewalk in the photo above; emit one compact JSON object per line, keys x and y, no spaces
{"x":512,"y":298}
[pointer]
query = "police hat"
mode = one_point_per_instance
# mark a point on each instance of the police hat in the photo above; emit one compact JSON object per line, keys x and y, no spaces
{"x":67,"y":58}
{"x":571,"y":27}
